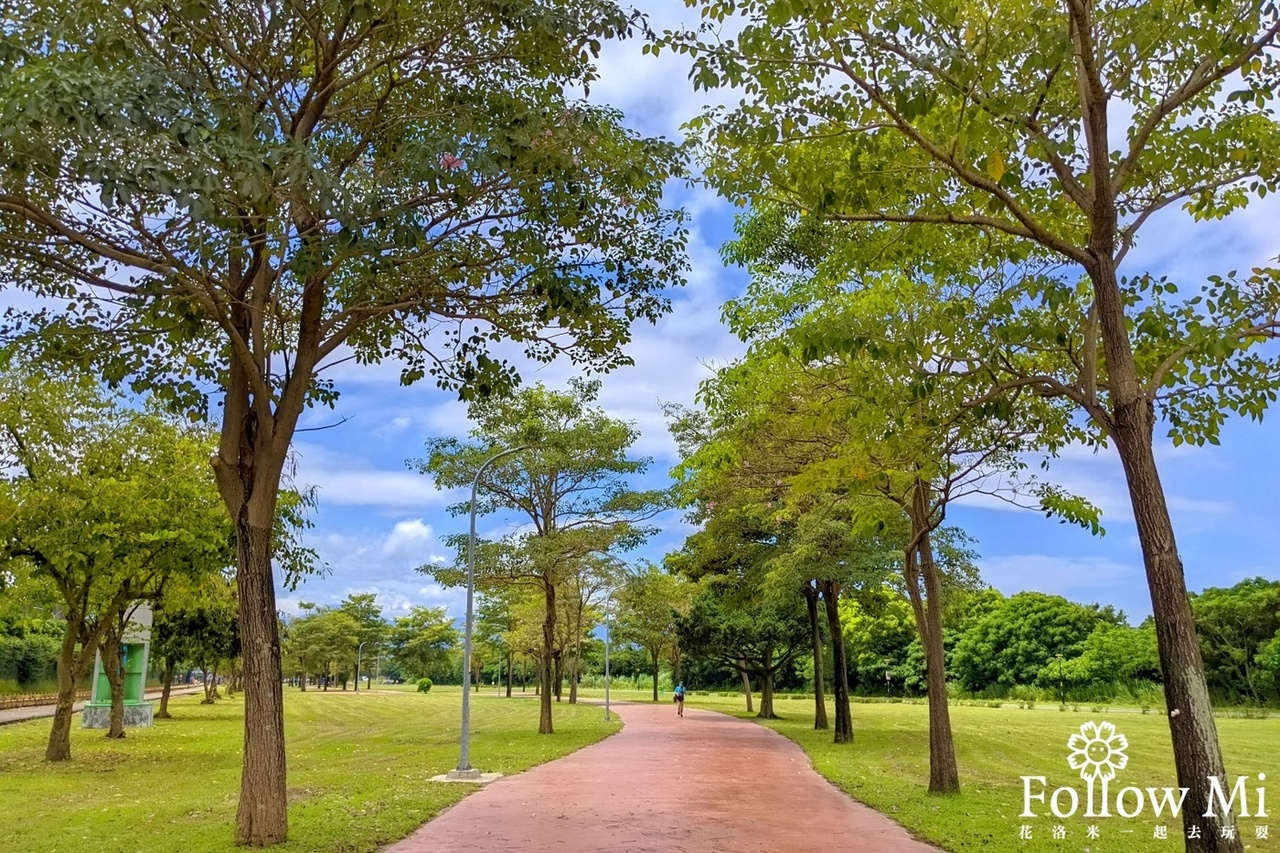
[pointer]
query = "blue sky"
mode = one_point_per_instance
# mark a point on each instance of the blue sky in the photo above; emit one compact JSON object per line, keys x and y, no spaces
{"x":378,"y":520}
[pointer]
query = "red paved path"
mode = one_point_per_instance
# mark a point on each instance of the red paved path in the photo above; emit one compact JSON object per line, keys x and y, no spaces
{"x":707,"y":783}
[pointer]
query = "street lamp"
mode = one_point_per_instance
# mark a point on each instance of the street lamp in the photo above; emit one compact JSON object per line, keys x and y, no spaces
{"x":887,"y":684}
{"x":465,"y":770}
{"x":608,"y":605}
{"x":359,"y":648}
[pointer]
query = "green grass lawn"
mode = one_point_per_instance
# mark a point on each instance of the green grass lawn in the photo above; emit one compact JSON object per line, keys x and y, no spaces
{"x":359,"y":771}
{"x":887,"y":767}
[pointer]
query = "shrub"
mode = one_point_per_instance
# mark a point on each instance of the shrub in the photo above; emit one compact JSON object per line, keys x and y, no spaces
{"x":425,"y":685}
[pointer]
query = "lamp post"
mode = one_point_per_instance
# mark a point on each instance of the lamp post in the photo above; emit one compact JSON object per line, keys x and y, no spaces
{"x":608,"y":605}
{"x":465,"y":770}
{"x":887,"y":683}
{"x":359,"y":649}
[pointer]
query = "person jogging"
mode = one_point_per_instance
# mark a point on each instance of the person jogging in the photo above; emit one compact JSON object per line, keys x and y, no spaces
{"x":678,"y":695}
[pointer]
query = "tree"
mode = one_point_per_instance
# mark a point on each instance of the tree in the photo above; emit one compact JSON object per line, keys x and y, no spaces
{"x":1268,"y":664}
{"x":107,"y":504}
{"x":1007,"y":120}
{"x":1111,"y":654}
{"x":649,"y":603}
{"x":363,"y":607}
{"x":753,"y":637}
{"x":867,"y":435}
{"x":245,"y":196}
{"x":497,"y":620}
{"x":323,"y":643}
{"x":1233,"y":624}
{"x":571,"y":481}
{"x":195,"y":621}
{"x":420,"y":641}
{"x":1013,"y":643}
{"x":879,"y":627}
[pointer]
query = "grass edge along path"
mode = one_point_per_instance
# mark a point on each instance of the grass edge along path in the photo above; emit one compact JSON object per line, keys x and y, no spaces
{"x":359,"y":770}
{"x":887,"y":768}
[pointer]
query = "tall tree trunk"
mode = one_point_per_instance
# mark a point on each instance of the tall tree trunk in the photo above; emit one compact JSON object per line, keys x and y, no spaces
{"x":112,"y":666}
{"x":210,"y":686}
{"x":839,"y":665}
{"x":510,"y":674}
{"x":166,"y":675}
{"x":304,"y":682}
{"x":653,"y":659}
{"x":746,"y":683}
{"x":766,"y":689}
{"x":262,"y":815}
{"x":944,"y":773}
{"x":819,"y":687}
{"x":558,"y":675}
{"x":69,"y":666}
{"x":576,"y":664}
{"x":545,"y":673}
{"x":1196,"y":751}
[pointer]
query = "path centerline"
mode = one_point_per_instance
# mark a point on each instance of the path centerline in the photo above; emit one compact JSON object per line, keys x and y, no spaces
{"x":704,"y":782}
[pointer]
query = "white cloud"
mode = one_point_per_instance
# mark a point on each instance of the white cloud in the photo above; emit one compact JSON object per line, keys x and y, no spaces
{"x":407,"y":537}
{"x":343,"y":479}
{"x":381,"y":561}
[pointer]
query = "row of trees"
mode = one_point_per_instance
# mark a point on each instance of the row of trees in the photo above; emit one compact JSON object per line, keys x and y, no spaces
{"x":103,"y":506}
{"x":941,"y":200}
{"x":994,"y":644}
{"x":106,"y":507}
{"x":327,"y":643}
{"x":545,"y":586}
{"x":215,"y":203}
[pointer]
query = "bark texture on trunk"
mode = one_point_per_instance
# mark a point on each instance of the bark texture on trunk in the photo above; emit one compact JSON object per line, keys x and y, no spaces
{"x":839,"y":664}
{"x":545,"y":673}
{"x":69,"y":666}
{"x":766,"y":690}
{"x":1196,"y":751}
{"x":653,"y":659}
{"x":819,"y":687}
{"x":575,"y":666}
{"x":111,"y":660}
{"x":210,"y":686}
{"x":746,"y":684}
{"x":676,"y":658}
{"x":166,"y":675}
{"x":944,"y":772}
{"x":262,"y":816}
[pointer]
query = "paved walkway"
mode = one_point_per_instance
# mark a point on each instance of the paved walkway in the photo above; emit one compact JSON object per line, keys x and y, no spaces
{"x":706,"y":783}
{"x":17,"y":715}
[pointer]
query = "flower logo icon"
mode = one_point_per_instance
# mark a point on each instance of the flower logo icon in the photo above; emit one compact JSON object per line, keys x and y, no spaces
{"x":1097,"y":751}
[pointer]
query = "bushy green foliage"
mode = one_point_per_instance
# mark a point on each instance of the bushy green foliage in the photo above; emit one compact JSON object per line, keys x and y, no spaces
{"x":1234,"y":624}
{"x":28,"y":662}
{"x":1109,"y":654}
{"x":1015,"y":642}
{"x":425,"y":685}
{"x":1268,"y":661}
